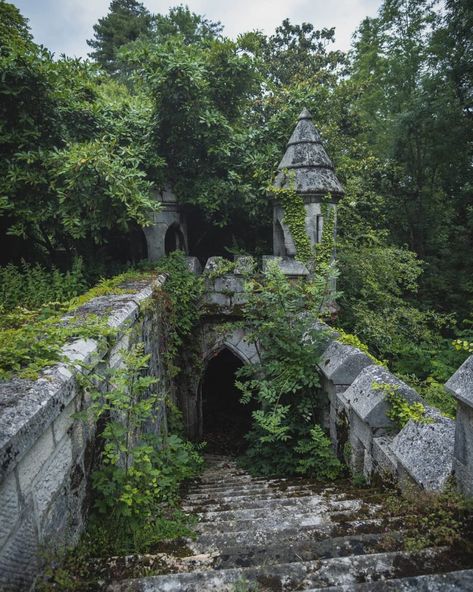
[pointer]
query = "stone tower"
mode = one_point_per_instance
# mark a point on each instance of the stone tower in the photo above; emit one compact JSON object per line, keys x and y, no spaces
{"x":168,"y":231}
{"x":306,"y":167}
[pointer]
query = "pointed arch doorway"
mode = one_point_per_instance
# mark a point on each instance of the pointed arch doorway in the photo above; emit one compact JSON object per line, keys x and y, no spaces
{"x":225,"y":420}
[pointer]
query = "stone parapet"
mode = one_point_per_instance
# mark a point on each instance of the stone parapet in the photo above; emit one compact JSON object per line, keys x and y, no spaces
{"x":46,"y":455}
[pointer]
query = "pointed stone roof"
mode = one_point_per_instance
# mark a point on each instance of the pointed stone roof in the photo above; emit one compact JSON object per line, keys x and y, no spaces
{"x":306,"y":157}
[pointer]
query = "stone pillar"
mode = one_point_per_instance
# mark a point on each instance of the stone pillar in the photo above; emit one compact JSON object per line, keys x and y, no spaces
{"x":168,"y":231}
{"x":460,"y":385}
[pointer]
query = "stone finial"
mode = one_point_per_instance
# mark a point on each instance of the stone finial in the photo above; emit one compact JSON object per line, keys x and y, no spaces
{"x":308,"y":161}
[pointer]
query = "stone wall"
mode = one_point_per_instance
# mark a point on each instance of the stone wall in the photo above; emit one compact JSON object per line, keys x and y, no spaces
{"x":420,"y":454}
{"x":45,"y":454}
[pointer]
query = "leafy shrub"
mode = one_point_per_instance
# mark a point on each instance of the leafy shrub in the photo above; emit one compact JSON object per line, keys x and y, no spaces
{"x":30,"y":286}
{"x":281,"y":319}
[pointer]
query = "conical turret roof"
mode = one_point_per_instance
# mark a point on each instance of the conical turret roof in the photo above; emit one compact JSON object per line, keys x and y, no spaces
{"x":306,"y":159}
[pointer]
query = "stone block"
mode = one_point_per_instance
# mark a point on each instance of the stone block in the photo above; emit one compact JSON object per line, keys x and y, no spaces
{"x":463,"y":450}
{"x":368,"y":402}
{"x":244,"y":264}
{"x":9,"y":507}
{"x":19,"y":558}
{"x":342,"y":363}
{"x":228,"y":284}
{"x":63,"y":423}
{"x":214,"y":264}
{"x":383,"y":459}
{"x":425,"y":451}
{"x":460,"y":384}
{"x":289,"y":266}
{"x":193,"y":265}
{"x":52,"y":476}
{"x":32,"y":463}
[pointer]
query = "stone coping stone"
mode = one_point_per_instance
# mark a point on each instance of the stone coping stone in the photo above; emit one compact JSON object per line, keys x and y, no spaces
{"x":193,"y":264}
{"x":342,"y":363}
{"x":460,"y":384}
{"x":213,"y":264}
{"x":425,"y":450}
{"x":369,"y":402}
{"x":289,"y":266}
{"x":383,"y":456}
{"x":27,"y":407}
{"x":244,"y":264}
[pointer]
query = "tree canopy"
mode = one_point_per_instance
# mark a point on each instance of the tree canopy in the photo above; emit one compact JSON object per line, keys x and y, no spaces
{"x":169,"y":100}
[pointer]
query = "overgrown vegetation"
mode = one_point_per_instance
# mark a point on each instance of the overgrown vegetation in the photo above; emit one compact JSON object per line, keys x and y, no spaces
{"x":282,"y":320}
{"x":400,"y":409}
{"x":31,"y":339}
{"x":136,"y":483}
{"x":430,"y":519}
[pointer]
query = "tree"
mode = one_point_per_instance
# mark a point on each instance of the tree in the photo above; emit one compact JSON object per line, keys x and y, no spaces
{"x":126,"y":21}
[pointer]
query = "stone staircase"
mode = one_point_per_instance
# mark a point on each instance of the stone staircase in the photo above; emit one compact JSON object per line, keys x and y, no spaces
{"x":279,"y":535}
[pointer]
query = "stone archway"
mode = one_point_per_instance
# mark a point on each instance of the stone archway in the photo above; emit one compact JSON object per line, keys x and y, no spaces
{"x":174,"y":239}
{"x":213,"y":344}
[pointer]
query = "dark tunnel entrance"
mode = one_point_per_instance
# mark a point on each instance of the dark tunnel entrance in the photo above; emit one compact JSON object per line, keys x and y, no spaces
{"x":225,"y":419}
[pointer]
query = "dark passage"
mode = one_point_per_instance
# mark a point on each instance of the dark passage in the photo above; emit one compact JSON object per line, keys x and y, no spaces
{"x":225,"y":419}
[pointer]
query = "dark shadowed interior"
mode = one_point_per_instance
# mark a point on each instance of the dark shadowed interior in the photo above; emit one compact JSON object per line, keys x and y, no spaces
{"x":225,"y":419}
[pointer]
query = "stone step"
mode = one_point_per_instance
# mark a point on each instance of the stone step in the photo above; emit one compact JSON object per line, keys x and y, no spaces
{"x":323,"y":530}
{"x":309,"y":550}
{"x":336,"y":510}
{"x":285,"y":577}
{"x":454,"y":581}
{"x":241,"y":492}
{"x":269,"y":502}
{"x":262,"y":520}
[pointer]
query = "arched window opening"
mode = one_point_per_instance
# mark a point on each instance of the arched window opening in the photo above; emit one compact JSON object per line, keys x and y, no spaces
{"x":174,"y":239}
{"x":225,"y":419}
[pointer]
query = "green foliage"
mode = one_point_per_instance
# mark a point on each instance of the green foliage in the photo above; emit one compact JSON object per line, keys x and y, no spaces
{"x":317,"y":456}
{"x":354,"y":341}
{"x":284,"y":439}
{"x":294,"y":217}
{"x":430,"y":519}
{"x":126,"y":21}
{"x":140,"y":472}
{"x":434,"y":393}
{"x":32,"y":339}
{"x":31,"y":286}
{"x":179,"y":299}
{"x":400,"y":410}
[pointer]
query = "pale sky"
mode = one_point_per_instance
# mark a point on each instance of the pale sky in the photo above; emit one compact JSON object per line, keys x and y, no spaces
{"x":64,"y":25}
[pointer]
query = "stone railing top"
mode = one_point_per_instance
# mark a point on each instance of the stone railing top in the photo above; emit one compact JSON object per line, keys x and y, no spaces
{"x":342,"y":363}
{"x":425,"y":450}
{"x":369,"y":401}
{"x":460,"y":384}
{"x":27,"y":407}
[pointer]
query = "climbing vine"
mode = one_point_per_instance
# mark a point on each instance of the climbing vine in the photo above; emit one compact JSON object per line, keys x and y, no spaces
{"x":179,"y":299}
{"x":294,"y":216}
{"x":400,"y":410}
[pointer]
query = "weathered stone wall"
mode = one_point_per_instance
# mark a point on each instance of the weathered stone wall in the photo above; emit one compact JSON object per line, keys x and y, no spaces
{"x":45,"y":454}
{"x":356,"y":410}
{"x":420,"y":454}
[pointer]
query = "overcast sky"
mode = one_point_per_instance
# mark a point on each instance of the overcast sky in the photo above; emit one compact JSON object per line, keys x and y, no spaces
{"x":64,"y":25}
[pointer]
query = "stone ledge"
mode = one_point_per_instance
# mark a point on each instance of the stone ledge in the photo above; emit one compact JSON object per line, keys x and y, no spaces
{"x":370,"y":403}
{"x":34,"y":405}
{"x":342,"y":363}
{"x":425,"y":450}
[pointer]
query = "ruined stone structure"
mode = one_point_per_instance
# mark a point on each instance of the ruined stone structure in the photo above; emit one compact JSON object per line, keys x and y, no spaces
{"x":46,"y":455}
{"x":307,"y":168}
{"x":168,"y":229}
